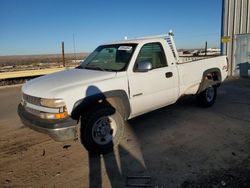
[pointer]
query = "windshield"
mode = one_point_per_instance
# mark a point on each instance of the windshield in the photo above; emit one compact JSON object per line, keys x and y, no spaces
{"x":113,"y":57}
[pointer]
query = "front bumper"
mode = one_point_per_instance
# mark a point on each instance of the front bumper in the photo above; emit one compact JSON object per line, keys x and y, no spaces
{"x":59,"y":130}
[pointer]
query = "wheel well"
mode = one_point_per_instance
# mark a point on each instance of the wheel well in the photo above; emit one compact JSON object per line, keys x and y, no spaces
{"x":215,"y":76}
{"x":116,"y":103}
{"x":210,"y":77}
{"x":118,"y":100}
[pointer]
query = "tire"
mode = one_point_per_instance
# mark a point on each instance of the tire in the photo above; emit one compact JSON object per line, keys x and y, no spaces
{"x":207,"y":97}
{"x":102,"y":129}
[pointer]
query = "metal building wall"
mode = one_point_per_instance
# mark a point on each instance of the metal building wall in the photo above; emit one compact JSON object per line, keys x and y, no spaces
{"x":235,"y":20}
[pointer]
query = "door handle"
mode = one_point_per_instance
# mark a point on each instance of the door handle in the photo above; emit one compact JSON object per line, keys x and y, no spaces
{"x":168,"y":74}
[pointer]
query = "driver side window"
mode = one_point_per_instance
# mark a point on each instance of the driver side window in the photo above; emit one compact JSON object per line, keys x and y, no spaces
{"x":154,"y":53}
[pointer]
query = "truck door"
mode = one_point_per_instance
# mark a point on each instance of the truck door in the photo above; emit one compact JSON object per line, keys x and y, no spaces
{"x":156,"y":88}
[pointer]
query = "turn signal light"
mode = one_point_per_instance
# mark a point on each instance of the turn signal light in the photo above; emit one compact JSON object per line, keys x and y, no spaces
{"x":54,"y":116}
{"x":61,"y":115}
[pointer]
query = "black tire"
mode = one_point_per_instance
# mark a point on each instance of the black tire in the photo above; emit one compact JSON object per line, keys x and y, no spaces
{"x":98,"y":133}
{"x":207,"y":97}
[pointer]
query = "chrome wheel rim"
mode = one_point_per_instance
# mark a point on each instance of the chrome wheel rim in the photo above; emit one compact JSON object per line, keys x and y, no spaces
{"x":210,"y":94}
{"x":104,"y":130}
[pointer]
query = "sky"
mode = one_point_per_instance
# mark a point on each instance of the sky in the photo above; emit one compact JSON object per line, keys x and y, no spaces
{"x":39,"y":26}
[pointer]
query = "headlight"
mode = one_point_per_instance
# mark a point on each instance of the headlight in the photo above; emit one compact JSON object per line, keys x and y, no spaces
{"x":39,"y":107}
{"x":53,"y":103}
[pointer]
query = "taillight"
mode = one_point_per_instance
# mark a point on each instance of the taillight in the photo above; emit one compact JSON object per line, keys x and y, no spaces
{"x":225,"y":67}
{"x":227,"y":64}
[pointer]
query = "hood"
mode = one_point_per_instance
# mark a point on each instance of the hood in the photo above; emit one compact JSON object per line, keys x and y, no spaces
{"x":45,"y":86}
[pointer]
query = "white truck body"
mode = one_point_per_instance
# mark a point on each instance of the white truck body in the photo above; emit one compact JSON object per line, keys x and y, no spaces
{"x":157,"y":91}
{"x":145,"y":91}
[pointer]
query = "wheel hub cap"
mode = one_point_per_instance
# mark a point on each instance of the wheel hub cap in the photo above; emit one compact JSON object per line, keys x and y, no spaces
{"x":210,"y":94}
{"x":104,"y":130}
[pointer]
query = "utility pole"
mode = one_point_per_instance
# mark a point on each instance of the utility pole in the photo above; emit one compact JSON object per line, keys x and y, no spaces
{"x":206,"y":48}
{"x":63,"y":58}
{"x":74,"y":46}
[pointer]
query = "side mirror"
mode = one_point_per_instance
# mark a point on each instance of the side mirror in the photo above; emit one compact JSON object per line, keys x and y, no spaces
{"x":144,"y":66}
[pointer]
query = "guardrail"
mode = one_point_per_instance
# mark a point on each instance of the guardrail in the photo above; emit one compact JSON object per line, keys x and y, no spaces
{"x":28,"y":73}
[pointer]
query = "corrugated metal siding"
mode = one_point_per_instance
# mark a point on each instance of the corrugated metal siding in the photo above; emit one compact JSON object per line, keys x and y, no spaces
{"x":242,"y":55}
{"x":236,"y":20}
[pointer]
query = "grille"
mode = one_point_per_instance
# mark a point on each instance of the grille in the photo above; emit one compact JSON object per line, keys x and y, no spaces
{"x":32,"y":111}
{"x":32,"y":100}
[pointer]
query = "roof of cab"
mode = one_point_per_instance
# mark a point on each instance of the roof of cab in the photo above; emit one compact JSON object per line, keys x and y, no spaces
{"x":137,"y":40}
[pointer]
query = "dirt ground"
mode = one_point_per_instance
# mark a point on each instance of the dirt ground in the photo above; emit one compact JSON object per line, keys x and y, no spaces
{"x":181,"y":145}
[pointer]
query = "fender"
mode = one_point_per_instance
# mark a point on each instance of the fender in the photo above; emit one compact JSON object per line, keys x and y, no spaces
{"x":116,"y":98}
{"x":210,"y":77}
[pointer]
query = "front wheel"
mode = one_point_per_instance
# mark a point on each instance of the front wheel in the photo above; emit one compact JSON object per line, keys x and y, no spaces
{"x":101,"y":129}
{"x":207,"y":97}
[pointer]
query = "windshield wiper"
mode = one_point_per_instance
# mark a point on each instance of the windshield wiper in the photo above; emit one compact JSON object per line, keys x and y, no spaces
{"x":79,"y":67}
{"x":111,"y":70}
{"x":94,"y":68}
{"x":98,"y":68}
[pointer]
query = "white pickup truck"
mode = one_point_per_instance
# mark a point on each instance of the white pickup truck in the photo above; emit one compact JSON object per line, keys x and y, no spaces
{"x":116,"y":82}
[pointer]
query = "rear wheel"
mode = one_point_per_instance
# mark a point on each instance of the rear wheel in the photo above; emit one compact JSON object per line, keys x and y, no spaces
{"x":101,"y":129}
{"x":207,"y":97}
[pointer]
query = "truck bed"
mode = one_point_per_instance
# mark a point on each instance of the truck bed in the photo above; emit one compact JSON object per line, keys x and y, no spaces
{"x":190,"y":73}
